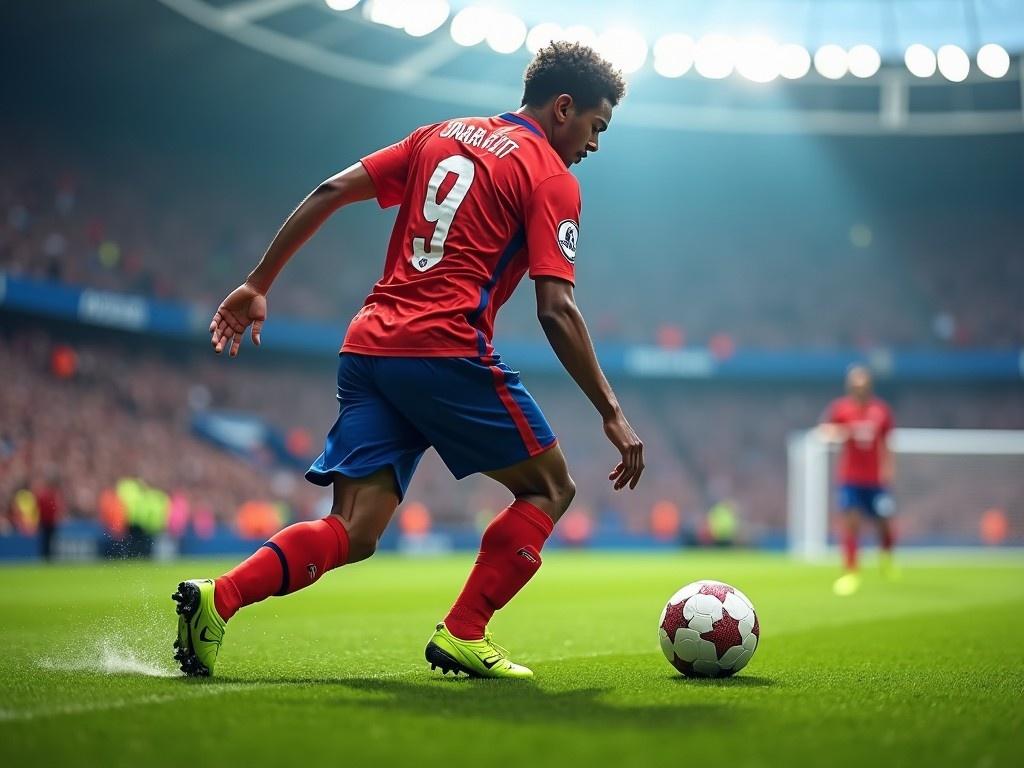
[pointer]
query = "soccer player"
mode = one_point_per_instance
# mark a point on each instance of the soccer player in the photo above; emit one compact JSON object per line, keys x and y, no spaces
{"x":861,"y":423}
{"x":482,"y":201}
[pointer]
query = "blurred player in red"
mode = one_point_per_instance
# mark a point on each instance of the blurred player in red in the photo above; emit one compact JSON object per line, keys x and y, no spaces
{"x":482,"y":202}
{"x":861,"y":423}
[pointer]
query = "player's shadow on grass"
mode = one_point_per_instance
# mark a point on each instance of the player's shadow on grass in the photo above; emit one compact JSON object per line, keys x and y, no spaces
{"x":520,"y":701}
{"x":739,"y":681}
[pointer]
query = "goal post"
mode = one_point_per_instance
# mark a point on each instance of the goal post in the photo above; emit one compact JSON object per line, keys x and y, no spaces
{"x":953,"y":487}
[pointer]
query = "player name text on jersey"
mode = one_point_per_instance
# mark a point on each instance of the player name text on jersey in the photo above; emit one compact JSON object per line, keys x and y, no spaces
{"x":495,"y":142}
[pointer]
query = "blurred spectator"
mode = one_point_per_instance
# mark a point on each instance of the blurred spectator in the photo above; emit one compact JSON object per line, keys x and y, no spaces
{"x":50,"y":507}
{"x":118,"y":435}
{"x":948,"y":277}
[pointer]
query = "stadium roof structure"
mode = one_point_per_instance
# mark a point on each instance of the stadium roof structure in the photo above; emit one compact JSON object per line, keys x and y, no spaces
{"x":854,"y":67}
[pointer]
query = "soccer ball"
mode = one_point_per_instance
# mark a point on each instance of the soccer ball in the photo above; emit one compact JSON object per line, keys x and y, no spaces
{"x":708,"y":629}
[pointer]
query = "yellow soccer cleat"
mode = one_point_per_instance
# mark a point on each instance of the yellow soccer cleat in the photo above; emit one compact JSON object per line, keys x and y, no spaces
{"x":890,"y":571}
{"x":200,"y":628}
{"x":476,"y":658}
{"x":846,"y":584}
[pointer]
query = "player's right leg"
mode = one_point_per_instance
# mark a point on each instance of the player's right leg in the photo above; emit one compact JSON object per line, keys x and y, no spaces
{"x":849,"y":582}
{"x":480,"y":418}
{"x":509,"y":557}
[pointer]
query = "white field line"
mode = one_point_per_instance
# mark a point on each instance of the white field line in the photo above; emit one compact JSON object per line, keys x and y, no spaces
{"x":10,"y":716}
{"x":7,"y":716}
{"x":793,"y":630}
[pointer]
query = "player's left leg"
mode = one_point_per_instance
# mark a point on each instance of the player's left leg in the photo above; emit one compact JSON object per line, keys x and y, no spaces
{"x":887,"y":541}
{"x":298,"y":555}
{"x":370,"y":456}
{"x":293,"y":559}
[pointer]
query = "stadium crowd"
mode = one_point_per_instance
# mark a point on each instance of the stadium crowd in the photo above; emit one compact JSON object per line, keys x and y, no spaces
{"x":83,"y":418}
{"x":121,"y":441}
{"x":938,"y":277}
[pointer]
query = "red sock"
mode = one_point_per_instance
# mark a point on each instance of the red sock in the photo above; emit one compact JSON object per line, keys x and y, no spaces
{"x":293,"y":558}
{"x":887,"y":538}
{"x":509,"y":556}
{"x":850,"y":550}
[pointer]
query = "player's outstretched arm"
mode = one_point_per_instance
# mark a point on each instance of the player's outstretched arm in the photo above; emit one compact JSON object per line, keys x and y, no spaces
{"x":247,"y":304}
{"x":569,"y":338}
{"x":832,"y":433}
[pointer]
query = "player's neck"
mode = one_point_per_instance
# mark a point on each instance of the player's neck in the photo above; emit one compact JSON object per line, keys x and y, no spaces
{"x":542,"y":120}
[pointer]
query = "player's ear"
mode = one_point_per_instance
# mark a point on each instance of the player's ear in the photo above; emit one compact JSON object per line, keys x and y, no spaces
{"x":562,"y":106}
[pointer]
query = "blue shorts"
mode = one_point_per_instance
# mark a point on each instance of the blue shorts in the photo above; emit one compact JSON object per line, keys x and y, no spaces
{"x":873,"y":501}
{"x":473,"y":410}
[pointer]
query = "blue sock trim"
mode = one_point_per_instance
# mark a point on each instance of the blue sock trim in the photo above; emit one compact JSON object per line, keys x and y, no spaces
{"x":284,"y":568}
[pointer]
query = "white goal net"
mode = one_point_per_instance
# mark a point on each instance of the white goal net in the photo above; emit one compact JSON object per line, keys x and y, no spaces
{"x":953,"y":488}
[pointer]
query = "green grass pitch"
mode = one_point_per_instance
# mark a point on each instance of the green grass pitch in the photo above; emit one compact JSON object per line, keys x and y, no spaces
{"x":927,"y":671}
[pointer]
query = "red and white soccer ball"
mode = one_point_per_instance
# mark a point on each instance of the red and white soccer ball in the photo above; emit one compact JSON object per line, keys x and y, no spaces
{"x":708,"y":629}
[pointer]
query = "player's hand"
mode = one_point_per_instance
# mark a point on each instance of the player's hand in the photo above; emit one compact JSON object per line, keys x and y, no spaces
{"x":243,"y":307}
{"x":833,"y":433}
{"x":629,"y":445}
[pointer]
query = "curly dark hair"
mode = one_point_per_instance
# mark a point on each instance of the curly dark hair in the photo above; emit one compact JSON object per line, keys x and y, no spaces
{"x":574,"y":69}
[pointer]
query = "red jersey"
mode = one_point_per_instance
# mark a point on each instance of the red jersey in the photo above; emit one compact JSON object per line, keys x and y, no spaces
{"x":50,"y":505}
{"x":482,"y":201}
{"x":869,"y":424}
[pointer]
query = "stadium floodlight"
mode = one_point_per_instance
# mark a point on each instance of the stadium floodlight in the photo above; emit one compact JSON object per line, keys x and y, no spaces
{"x":794,"y":61}
{"x":954,"y":63}
{"x":341,"y":5}
{"x":424,"y":17}
{"x":714,"y":56}
{"x":625,"y":48}
{"x":506,"y":32}
{"x":470,"y":25}
{"x":864,"y":61}
{"x":757,"y":59}
{"x":673,"y":55}
{"x":542,"y":34}
{"x":993,"y":60}
{"x":390,"y":13}
{"x":580,"y":33}
{"x":920,"y":60}
{"x":831,"y":61}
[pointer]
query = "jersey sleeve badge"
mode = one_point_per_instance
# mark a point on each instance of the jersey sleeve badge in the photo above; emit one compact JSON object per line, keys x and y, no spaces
{"x":568,"y":236}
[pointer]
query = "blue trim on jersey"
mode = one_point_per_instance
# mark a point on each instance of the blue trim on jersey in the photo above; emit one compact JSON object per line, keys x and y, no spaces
{"x":513,"y":247}
{"x":512,"y":117}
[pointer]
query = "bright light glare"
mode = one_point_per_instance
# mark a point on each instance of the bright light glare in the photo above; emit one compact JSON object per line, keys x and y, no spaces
{"x":954,"y":63}
{"x":541,"y":35}
{"x":864,"y":61}
{"x":757,"y":59}
{"x":673,"y":55}
{"x":390,"y":13}
{"x":506,"y":32}
{"x":580,"y":33}
{"x":715,"y":56}
{"x":920,"y":60}
{"x":341,"y":5}
{"x":993,"y":60}
{"x":831,"y":61}
{"x":470,"y":25}
{"x":794,"y":61}
{"x":624,"y":48}
{"x":424,"y":17}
